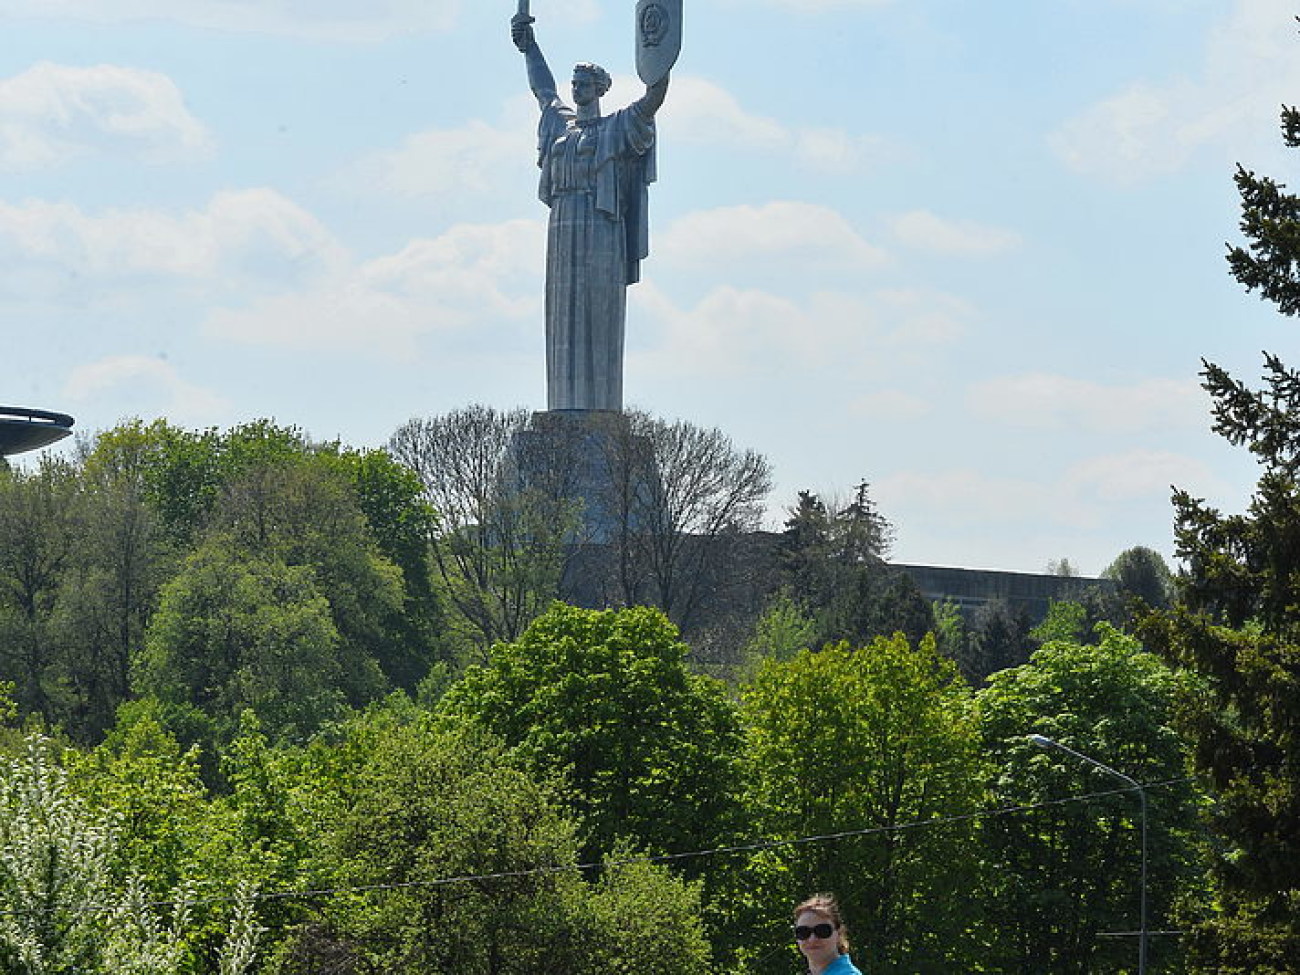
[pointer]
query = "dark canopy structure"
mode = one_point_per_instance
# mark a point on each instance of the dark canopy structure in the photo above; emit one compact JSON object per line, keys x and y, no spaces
{"x":23,"y":429}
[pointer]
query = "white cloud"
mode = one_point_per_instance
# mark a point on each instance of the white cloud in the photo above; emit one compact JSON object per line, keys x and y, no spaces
{"x":784,"y":230}
{"x":923,"y":319}
{"x":821,"y":6}
{"x":1054,"y":402}
{"x":965,"y":495}
{"x":1136,"y":473}
{"x":1137,"y":134}
{"x":248,"y":238}
{"x":444,"y":166}
{"x":53,"y":113}
{"x":923,"y":230}
{"x":702,"y":112}
{"x":471,"y":275}
{"x":437,"y":164}
{"x":891,"y":405}
{"x":707,"y":113}
{"x":1082,"y":496}
{"x":340,"y":20}
{"x":134,"y":385}
{"x":843,"y":338}
{"x":736,"y":332}
{"x":1151,"y":129}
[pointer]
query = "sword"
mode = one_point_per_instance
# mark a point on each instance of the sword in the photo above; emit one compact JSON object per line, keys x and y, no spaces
{"x":523,"y":9}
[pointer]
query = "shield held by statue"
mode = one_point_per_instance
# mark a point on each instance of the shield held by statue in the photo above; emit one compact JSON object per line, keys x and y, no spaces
{"x":658,"y":38}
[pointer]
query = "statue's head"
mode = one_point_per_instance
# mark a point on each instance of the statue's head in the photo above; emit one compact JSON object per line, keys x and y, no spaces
{"x":588,"y":77}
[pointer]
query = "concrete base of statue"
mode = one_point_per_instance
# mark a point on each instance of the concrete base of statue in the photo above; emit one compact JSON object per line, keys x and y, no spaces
{"x":591,"y":457}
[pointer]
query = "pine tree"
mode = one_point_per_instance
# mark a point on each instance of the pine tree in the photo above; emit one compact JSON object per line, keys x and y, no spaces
{"x":1236,"y":626}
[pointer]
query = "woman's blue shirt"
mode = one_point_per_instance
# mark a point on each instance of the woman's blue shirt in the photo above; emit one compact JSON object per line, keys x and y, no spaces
{"x":843,"y":965}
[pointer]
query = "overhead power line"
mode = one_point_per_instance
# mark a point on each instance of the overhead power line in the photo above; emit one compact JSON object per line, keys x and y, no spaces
{"x":317,"y":893}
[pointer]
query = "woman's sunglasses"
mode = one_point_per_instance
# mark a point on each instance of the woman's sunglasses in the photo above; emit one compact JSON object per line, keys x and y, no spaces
{"x":803,"y":932}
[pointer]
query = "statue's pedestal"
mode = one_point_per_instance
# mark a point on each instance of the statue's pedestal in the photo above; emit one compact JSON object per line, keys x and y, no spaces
{"x":591,"y":457}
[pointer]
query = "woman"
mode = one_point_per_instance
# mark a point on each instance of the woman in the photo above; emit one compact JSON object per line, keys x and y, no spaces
{"x":820,"y":933}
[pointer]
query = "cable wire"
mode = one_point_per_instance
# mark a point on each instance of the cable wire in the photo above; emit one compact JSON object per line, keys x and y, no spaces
{"x":664,"y":858}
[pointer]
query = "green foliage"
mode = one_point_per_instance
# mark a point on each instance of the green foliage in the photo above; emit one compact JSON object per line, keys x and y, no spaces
{"x":1061,"y":873}
{"x":1238,"y":628}
{"x":176,"y":470}
{"x":497,"y":545}
{"x":1270,"y":263}
{"x":1238,"y":625}
{"x":1142,"y":573}
{"x":86,"y":549}
{"x":1066,"y":622}
{"x":833,"y":564}
{"x":461,"y":861}
{"x":152,"y":789}
{"x":781,"y":632}
{"x":37,"y":532}
{"x":877,"y":739}
{"x":949,"y":629}
{"x":306,"y":516}
{"x":645,"y":920}
{"x":998,"y":637}
{"x":605,"y":699}
{"x":424,"y":806}
{"x":402,"y":524}
{"x":8,"y":709}
{"x":69,"y":908}
{"x":235,"y":632}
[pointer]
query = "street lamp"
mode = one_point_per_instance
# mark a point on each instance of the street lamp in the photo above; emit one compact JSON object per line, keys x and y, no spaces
{"x":1042,"y":741}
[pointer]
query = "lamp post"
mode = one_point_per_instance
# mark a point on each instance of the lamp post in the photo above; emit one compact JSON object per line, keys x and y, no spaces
{"x":1042,"y":741}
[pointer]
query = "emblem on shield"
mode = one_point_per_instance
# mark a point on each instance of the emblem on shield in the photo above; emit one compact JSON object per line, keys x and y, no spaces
{"x":658,"y":38}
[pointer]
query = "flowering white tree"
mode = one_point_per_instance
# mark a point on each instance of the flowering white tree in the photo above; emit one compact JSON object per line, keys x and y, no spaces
{"x":62,"y":912}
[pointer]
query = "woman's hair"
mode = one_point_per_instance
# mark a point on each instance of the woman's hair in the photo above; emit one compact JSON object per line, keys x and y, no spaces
{"x":827,"y":906}
{"x":596,"y":73}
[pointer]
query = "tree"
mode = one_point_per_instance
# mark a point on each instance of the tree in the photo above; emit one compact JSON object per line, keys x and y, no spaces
{"x":1060,"y":873}
{"x":37,"y":532}
{"x":780,"y":632}
{"x":67,"y":911}
{"x":1270,"y":263}
{"x":604,"y":697}
{"x":467,"y":864}
{"x":1142,"y":573}
{"x":1237,"y":623}
{"x":878,"y":740}
{"x":1062,"y":567}
{"x":402,"y":524}
{"x":177,"y":470}
{"x":679,"y":535}
{"x":121,"y":558}
{"x":142,"y":777}
{"x":498,"y":547}
{"x":998,"y":637}
{"x":832,"y":562}
{"x":304,"y":514}
{"x":235,"y":631}
{"x":354,"y":517}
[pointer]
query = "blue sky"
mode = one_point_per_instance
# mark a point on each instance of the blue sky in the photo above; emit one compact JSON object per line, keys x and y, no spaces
{"x":971,"y":253}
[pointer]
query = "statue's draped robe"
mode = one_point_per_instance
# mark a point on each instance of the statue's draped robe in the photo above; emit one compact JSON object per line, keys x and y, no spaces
{"x":594,"y":178}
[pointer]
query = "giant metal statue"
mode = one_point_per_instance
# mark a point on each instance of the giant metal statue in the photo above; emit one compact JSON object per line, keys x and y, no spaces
{"x":595,"y":174}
